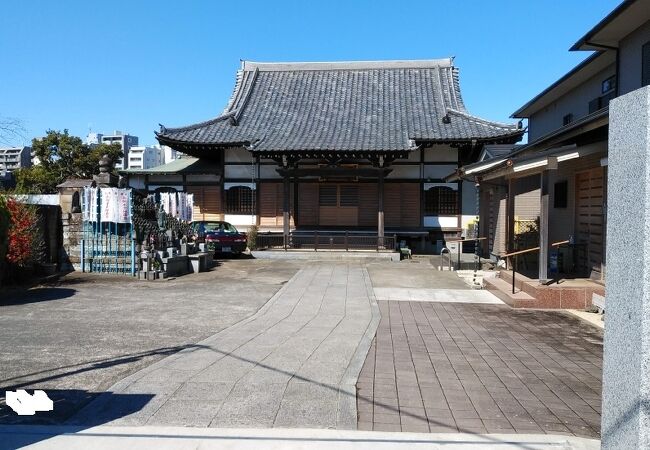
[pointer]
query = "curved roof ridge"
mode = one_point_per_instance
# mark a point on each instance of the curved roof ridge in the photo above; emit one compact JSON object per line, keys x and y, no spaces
{"x":232,"y":110}
{"x":481,"y":120}
{"x":457,"y":93}
{"x":239,"y":77}
{"x":347,"y":65}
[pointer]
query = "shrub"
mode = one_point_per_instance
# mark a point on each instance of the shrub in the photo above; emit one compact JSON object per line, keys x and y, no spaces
{"x":4,"y":233}
{"x":23,"y":238}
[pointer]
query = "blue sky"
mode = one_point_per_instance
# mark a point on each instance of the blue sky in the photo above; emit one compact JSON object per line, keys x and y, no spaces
{"x":129,"y":65}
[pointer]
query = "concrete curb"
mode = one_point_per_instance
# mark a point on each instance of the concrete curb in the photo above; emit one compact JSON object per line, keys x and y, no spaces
{"x":347,"y":412}
{"x":183,"y":438}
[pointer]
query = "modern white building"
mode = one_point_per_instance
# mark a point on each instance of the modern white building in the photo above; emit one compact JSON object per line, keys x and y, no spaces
{"x":126,"y":141}
{"x":169,"y":154}
{"x":142,"y":157}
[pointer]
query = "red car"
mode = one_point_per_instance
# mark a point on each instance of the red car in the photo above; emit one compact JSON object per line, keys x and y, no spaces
{"x":220,"y":236}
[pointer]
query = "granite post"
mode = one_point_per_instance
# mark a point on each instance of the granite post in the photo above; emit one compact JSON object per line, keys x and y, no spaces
{"x":626,"y":366}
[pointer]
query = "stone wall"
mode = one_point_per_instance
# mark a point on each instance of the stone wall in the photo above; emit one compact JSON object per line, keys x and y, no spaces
{"x":71,"y":245}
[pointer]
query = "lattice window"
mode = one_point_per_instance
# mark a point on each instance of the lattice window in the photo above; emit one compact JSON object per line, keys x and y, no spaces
{"x":240,"y":200}
{"x":441,"y":201}
{"x":349,"y":196}
{"x":327,"y":195}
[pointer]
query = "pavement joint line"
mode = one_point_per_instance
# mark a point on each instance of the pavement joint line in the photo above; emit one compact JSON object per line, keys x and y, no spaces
{"x":131,"y":379}
{"x":320,"y":307}
{"x":304,"y":297}
{"x":234,"y":385}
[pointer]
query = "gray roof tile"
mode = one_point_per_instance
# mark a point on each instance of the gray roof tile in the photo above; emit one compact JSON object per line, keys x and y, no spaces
{"x":344,"y":106}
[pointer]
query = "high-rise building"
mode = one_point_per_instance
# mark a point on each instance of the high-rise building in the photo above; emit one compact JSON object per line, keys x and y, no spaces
{"x":126,"y":141}
{"x":12,"y":158}
{"x":141,"y":157}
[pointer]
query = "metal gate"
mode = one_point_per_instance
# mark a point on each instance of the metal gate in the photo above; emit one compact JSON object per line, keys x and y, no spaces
{"x":107,"y":247}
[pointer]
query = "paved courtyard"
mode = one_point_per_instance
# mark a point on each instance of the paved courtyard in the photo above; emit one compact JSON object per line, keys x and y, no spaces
{"x":80,"y":335}
{"x":261,"y":344}
{"x":480,"y":368}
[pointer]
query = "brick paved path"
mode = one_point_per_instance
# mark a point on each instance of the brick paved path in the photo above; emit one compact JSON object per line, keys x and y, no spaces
{"x":436,"y":367}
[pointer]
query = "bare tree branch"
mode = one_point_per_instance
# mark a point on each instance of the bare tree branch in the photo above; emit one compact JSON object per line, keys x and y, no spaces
{"x":11,"y":131}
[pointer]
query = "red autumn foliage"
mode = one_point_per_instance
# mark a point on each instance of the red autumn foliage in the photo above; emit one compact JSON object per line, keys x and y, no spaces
{"x":22,"y":233}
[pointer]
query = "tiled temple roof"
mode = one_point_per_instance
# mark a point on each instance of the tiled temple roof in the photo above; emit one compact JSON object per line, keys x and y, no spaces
{"x":342,"y":106}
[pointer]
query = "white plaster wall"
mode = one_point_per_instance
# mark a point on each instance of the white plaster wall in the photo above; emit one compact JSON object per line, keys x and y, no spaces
{"x":241,"y":220}
{"x":239,"y":171}
{"x":237,"y":155}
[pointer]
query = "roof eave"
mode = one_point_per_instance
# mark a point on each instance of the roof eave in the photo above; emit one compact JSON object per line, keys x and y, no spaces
{"x":584,"y":41}
{"x":525,"y":111}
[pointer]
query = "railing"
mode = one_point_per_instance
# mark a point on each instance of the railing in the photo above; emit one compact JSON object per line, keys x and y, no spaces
{"x":521,"y":252}
{"x":322,"y":241}
{"x":442,"y":252}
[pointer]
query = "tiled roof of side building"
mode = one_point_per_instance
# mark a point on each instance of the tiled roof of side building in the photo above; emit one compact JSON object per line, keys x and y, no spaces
{"x":343,"y":106}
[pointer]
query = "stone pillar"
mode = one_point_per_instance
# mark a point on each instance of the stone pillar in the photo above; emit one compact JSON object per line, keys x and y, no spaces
{"x":626,"y":366}
{"x":543,"y":227}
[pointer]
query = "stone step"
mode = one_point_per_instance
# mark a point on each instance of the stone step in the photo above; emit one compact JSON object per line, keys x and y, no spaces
{"x":503,"y":290}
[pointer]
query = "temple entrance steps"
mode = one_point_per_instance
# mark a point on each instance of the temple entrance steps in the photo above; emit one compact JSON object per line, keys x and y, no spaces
{"x":529,"y":293}
{"x":474,"y":278}
{"x":327,"y":255}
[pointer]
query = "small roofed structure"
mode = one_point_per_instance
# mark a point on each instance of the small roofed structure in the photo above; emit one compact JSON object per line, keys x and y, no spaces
{"x":198,"y":176}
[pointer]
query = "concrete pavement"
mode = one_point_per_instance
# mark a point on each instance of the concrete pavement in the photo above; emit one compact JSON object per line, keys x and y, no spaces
{"x":176,"y":438}
{"x":294,"y":363}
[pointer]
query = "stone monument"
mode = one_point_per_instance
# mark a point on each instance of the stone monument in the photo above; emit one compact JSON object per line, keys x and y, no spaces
{"x":626,"y":365}
{"x":105,"y":178}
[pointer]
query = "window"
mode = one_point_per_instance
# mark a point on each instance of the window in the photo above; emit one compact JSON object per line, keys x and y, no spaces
{"x":338,"y":195}
{"x":567,"y":119}
{"x":441,"y":201}
{"x":560,"y":194}
{"x":240,"y":200}
{"x":645,"y":64}
{"x":349,"y":196}
{"x":327,"y":195}
{"x":608,"y":85}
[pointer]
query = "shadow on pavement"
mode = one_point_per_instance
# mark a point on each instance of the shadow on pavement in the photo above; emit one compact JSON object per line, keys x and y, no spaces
{"x":66,"y":403}
{"x":46,"y":294}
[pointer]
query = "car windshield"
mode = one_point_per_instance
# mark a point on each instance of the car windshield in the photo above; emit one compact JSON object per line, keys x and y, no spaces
{"x":216,"y":227}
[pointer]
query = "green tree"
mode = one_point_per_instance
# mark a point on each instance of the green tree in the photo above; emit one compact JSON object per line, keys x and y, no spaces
{"x":59,"y":156}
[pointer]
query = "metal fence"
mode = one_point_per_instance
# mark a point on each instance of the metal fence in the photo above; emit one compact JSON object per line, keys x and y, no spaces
{"x":322,"y":241}
{"x":108,"y":247}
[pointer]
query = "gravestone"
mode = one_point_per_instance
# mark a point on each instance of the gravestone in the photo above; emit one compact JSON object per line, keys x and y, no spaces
{"x":626,"y":365}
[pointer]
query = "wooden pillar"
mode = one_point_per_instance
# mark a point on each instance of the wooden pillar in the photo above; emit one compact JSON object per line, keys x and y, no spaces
{"x":510,"y":220}
{"x":543,"y":227}
{"x":380,"y":204}
{"x":286,"y":210}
